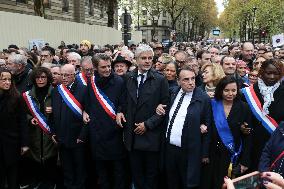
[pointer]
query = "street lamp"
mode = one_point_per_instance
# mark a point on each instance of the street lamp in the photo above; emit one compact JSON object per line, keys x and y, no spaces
{"x":254,"y":9}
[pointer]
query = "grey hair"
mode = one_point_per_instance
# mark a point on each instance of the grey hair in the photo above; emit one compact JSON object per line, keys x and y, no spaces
{"x":76,"y":55}
{"x":55,"y":65}
{"x":128,"y":52}
{"x":86,"y":58}
{"x":18,"y":59}
{"x":143,"y":48}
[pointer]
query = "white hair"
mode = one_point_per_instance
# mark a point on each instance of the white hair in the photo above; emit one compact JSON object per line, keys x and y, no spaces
{"x":143,"y":48}
{"x":18,"y":59}
{"x":129,"y":53}
{"x":75,"y":55}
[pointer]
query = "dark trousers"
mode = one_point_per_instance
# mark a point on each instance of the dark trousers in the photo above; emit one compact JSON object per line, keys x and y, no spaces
{"x":111,"y":174}
{"x":144,"y":168}
{"x":175,"y":164}
{"x":73,"y":166}
{"x":11,"y":174}
{"x":43,"y":173}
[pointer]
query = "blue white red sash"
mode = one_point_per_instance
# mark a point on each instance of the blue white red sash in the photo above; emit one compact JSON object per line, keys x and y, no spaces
{"x":224,"y":130}
{"x":35,"y":111}
{"x":82,"y":78}
{"x":268,"y":122}
{"x":70,"y":100}
{"x":103,"y":100}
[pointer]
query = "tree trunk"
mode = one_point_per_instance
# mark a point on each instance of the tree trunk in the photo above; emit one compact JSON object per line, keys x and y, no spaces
{"x":110,"y":12}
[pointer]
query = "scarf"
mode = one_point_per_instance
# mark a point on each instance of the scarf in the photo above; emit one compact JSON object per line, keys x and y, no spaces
{"x":267,"y":94}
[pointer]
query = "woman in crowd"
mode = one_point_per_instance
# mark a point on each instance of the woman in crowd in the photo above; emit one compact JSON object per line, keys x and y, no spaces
{"x":13,"y":130}
{"x":42,"y":156}
{"x":211,"y":73}
{"x":258,"y":61}
{"x":230,"y":149}
{"x":170,"y":73}
{"x":265,"y":99}
{"x":253,"y":76}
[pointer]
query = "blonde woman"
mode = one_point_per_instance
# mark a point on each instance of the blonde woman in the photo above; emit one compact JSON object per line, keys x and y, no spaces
{"x":212,"y":73}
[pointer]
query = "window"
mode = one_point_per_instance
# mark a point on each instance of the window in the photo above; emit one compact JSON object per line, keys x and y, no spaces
{"x":144,"y":12}
{"x":22,"y":1}
{"x":65,"y":5}
{"x":144,"y":22}
{"x":164,"y":14}
{"x":155,"y":22}
{"x":164,"y":22}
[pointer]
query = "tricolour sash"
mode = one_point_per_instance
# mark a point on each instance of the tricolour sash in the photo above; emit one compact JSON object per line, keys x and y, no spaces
{"x":70,"y":100}
{"x":103,"y":100}
{"x":224,"y":130}
{"x":35,"y":111}
{"x":268,"y":122}
{"x":82,"y":78}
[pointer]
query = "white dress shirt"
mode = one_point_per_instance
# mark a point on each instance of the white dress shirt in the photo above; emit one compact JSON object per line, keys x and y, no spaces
{"x":176,"y":132}
{"x":139,"y":79}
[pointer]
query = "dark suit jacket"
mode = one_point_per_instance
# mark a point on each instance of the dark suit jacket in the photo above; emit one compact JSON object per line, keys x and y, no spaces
{"x":67,"y":126}
{"x":194,"y":145}
{"x":273,"y":148}
{"x":105,"y":136}
{"x":154,"y":91}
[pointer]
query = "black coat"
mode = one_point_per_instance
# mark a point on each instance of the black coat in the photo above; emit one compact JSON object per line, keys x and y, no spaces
{"x":13,"y":129}
{"x":273,"y":148}
{"x":22,"y":80}
{"x":154,"y":91}
{"x":220,"y":157}
{"x":65,"y":124}
{"x":194,"y":145}
{"x":260,"y":135}
{"x":105,"y":136}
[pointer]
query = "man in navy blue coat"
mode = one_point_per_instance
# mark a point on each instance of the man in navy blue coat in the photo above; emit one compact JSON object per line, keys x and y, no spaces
{"x":185,"y":147}
{"x":68,"y":128}
{"x":105,"y":92}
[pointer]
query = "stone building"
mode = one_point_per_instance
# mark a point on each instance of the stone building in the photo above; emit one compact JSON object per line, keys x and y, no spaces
{"x":91,"y":12}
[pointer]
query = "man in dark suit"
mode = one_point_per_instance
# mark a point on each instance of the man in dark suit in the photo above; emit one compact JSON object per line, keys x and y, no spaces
{"x":68,"y":128}
{"x":146,"y":89}
{"x":185,"y":147}
{"x":106,"y":139}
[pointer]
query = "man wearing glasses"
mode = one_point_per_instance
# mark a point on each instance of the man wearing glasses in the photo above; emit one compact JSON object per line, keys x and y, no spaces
{"x":68,"y":129}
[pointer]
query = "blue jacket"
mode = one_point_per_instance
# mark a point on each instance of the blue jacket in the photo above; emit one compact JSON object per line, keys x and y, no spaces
{"x":194,"y":144}
{"x":273,"y":148}
{"x":66,"y":125}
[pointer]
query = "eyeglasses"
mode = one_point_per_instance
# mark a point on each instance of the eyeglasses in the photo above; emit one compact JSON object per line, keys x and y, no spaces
{"x":251,"y":75}
{"x":41,"y":77}
{"x":89,"y":70}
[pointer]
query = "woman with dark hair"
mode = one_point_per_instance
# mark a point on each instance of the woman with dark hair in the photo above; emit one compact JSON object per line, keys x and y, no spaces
{"x":13,"y":130}
{"x":42,"y":156}
{"x":230,"y":149}
{"x":265,"y":99}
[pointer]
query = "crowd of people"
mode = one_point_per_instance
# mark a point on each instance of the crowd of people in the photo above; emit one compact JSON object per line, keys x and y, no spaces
{"x":143,"y":116}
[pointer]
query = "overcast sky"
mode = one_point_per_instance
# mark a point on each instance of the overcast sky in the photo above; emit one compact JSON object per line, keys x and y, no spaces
{"x":219,"y":6}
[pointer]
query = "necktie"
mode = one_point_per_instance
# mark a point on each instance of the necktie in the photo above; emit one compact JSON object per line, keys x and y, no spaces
{"x":174,"y":116}
{"x":140,"y":83}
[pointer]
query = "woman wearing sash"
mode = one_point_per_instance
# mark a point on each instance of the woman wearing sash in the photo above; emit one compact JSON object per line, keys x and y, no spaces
{"x":13,"y":130}
{"x":230,"y":149}
{"x":265,"y":99}
{"x":42,"y":156}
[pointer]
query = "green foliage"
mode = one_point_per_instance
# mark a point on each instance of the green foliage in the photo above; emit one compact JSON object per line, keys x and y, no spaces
{"x":268,"y":15}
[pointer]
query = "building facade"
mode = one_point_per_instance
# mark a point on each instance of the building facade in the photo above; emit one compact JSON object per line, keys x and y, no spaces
{"x":91,"y":12}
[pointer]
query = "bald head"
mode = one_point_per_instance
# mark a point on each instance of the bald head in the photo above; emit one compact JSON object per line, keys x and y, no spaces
{"x":247,"y":51}
{"x":68,"y":74}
